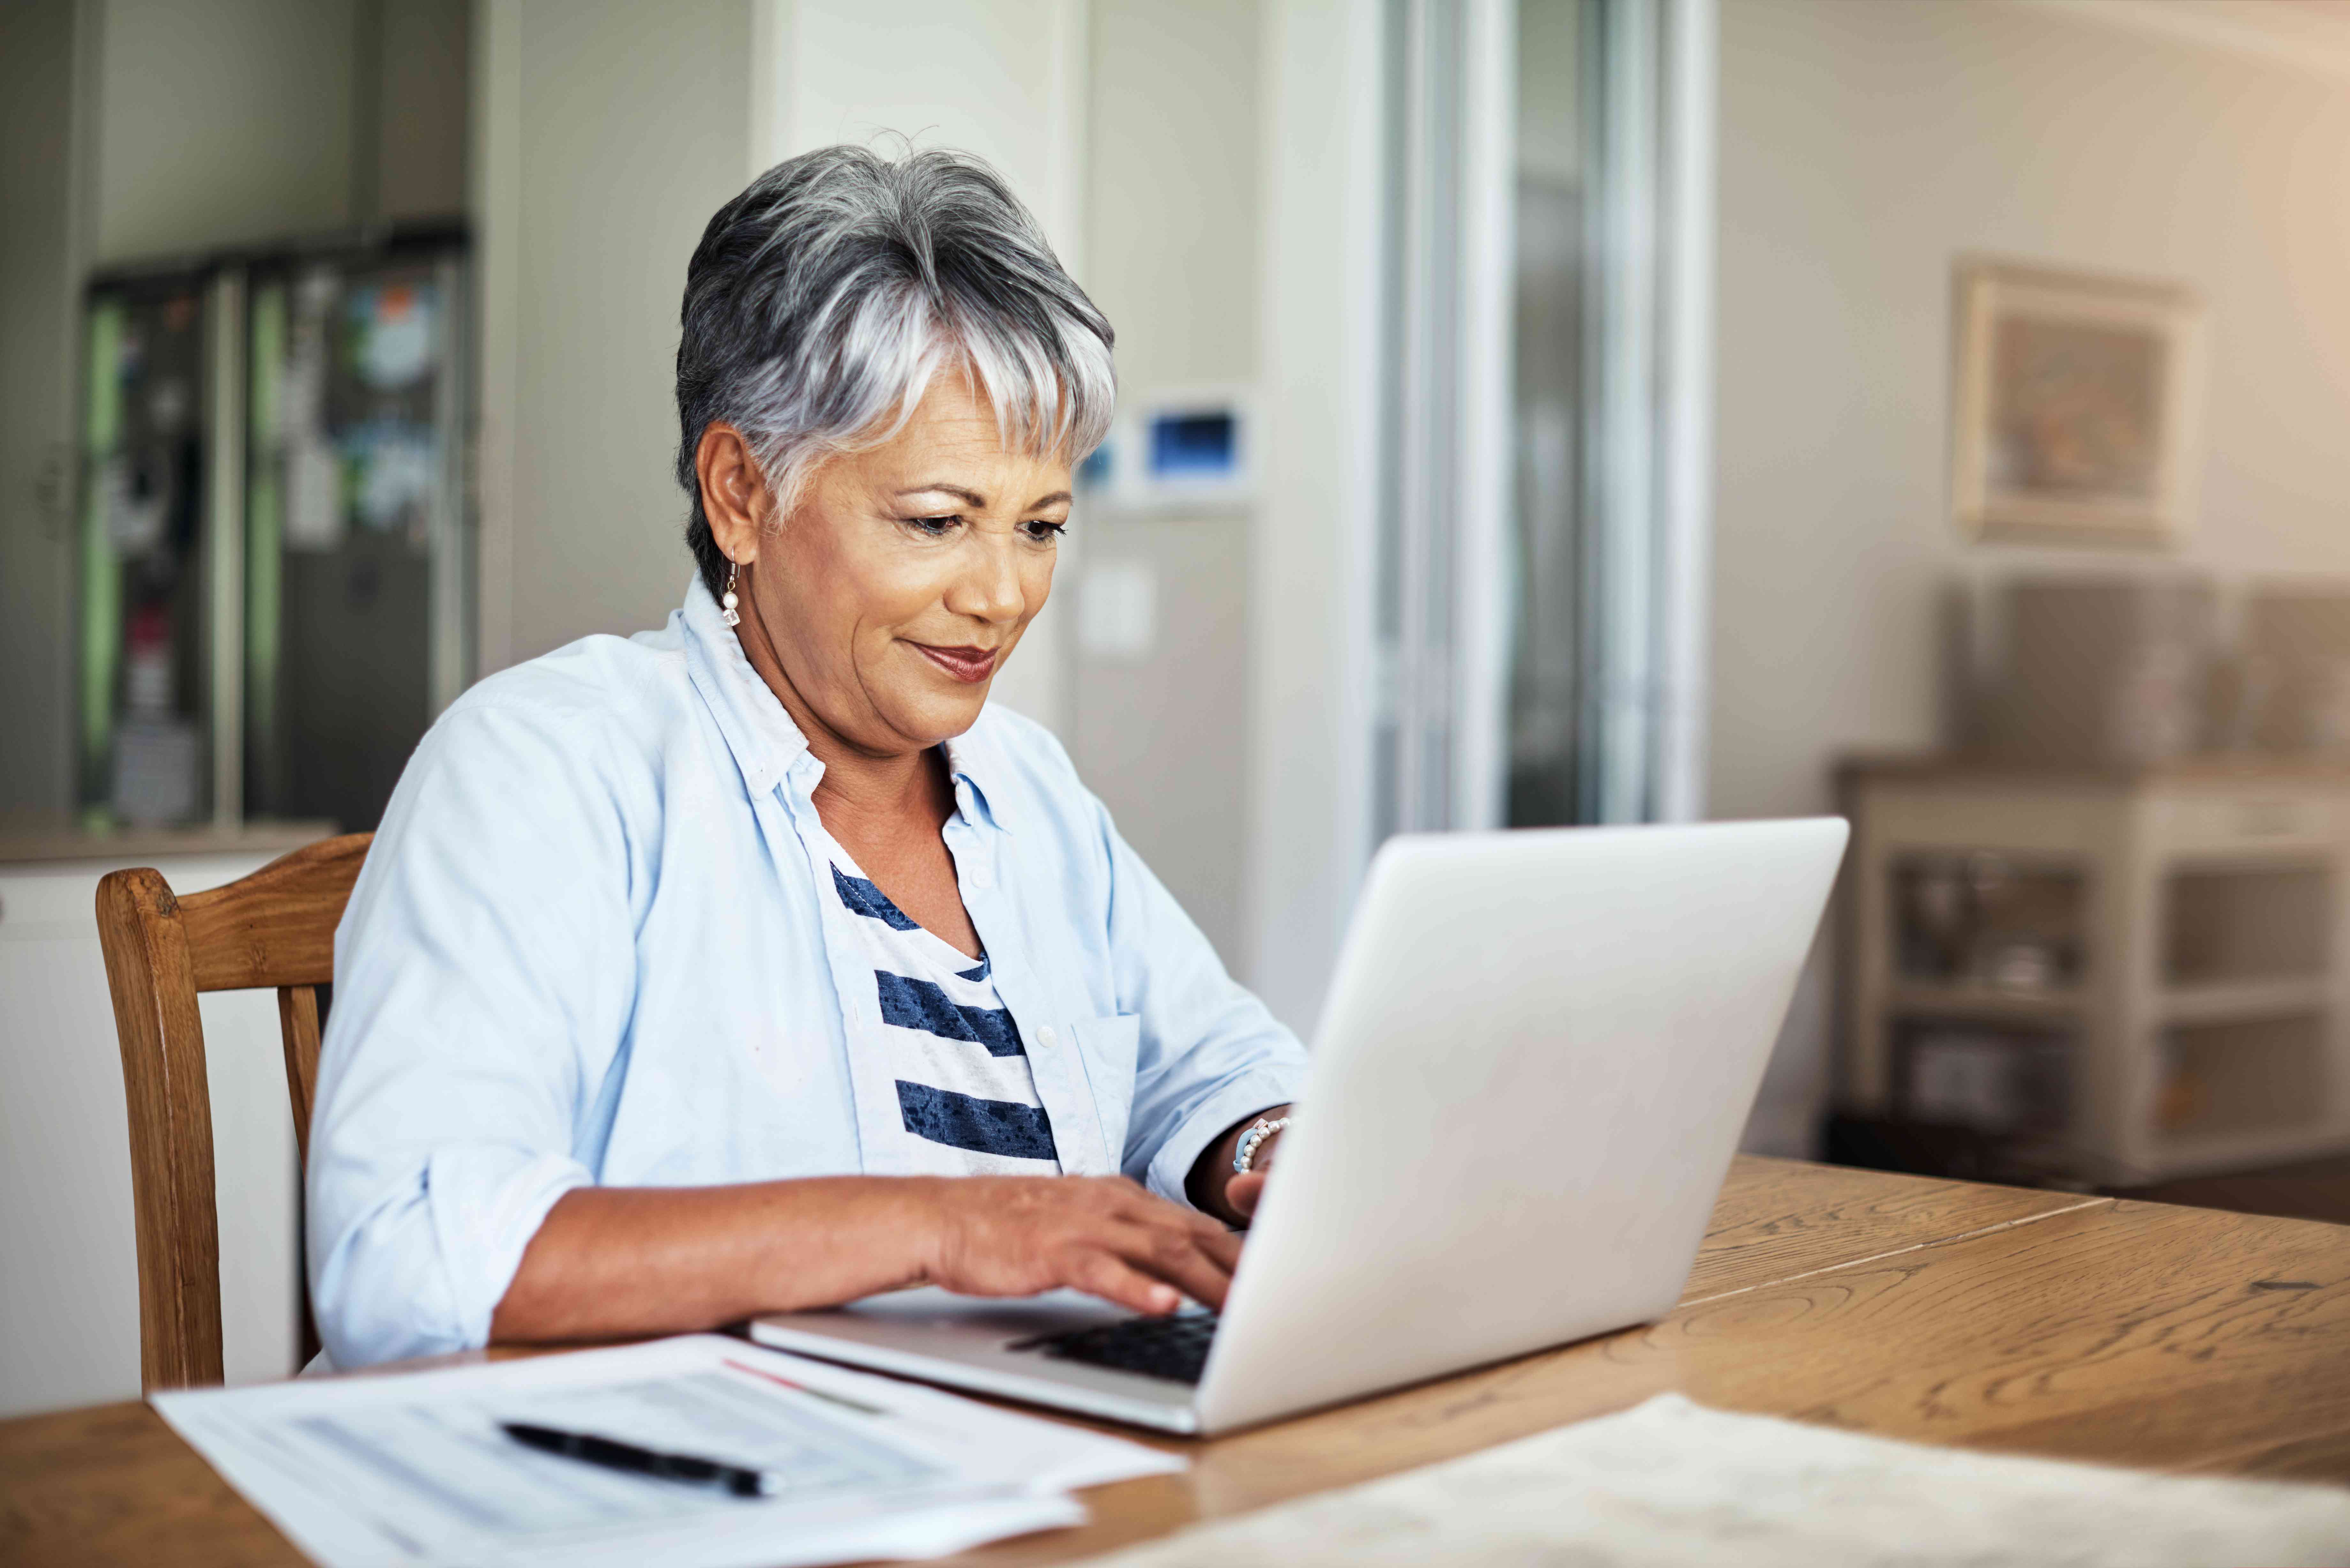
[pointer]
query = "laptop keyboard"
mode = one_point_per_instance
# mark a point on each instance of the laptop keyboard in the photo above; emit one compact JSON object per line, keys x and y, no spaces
{"x":1175,"y":1349}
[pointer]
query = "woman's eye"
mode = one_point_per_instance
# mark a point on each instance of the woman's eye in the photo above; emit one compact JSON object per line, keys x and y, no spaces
{"x":936,"y":527}
{"x":1045,"y":532}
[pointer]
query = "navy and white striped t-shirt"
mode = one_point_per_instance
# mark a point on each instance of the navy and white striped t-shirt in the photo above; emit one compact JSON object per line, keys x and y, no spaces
{"x":966,"y":1095}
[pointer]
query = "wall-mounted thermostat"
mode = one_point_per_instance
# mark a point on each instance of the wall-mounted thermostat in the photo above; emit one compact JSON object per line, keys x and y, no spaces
{"x":1175,"y":449}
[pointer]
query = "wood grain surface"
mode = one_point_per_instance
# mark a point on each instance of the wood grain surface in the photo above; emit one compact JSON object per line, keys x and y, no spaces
{"x":277,"y":925}
{"x":2041,"y":1323}
{"x":299,"y":1031}
{"x":273,"y":929}
{"x":150,"y":976}
{"x":1780,"y":1217}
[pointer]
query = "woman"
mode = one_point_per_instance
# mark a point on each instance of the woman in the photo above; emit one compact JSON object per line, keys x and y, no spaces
{"x":756,"y":964}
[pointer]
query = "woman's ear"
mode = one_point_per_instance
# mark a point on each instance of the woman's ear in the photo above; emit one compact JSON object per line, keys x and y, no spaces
{"x":734,"y":495}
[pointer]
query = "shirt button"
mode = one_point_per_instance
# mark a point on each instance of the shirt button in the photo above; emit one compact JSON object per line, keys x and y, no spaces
{"x":982,"y":880}
{"x":1045,"y":1036}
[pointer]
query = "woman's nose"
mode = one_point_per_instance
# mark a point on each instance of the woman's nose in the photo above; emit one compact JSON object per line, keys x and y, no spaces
{"x":988,"y":587}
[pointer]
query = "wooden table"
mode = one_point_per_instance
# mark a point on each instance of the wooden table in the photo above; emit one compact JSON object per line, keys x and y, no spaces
{"x":1983,"y":1316}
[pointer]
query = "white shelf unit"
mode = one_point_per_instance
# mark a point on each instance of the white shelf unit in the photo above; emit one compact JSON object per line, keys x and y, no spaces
{"x":2188,"y":951}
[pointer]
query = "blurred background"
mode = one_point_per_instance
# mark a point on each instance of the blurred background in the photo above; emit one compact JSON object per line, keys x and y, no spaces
{"x":1558,"y":411}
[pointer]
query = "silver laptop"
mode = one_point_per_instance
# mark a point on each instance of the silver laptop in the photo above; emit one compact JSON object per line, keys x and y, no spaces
{"x":1536,"y":1057}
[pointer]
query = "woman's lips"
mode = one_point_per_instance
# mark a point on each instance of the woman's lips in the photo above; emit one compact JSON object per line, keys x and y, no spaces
{"x":968,"y":665}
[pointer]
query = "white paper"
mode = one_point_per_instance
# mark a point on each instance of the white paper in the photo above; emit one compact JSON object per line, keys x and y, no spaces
{"x":413,"y":1469}
{"x":1002,"y":1445}
{"x":1668,"y":1483}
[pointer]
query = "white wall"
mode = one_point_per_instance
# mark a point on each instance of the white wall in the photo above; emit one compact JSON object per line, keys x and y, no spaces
{"x":1173,"y":222}
{"x":229,"y":122}
{"x":607,"y":132}
{"x":1310,"y":678}
{"x":1863,"y":146}
{"x":1004,"y":78}
{"x":1162,"y":732}
{"x":224,"y":122}
{"x":69,"y":1291}
{"x":1007,"y":79}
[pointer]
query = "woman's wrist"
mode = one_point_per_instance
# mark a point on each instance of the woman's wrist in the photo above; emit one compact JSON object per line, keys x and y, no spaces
{"x":923,"y":1218}
{"x":1212,"y":1172}
{"x":887,"y":1233}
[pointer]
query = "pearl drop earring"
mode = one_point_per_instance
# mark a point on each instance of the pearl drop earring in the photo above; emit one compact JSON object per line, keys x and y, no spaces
{"x":727,"y":601}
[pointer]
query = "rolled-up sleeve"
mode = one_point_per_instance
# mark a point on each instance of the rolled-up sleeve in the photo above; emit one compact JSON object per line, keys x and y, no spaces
{"x":483,"y":984}
{"x":1210,"y":1053}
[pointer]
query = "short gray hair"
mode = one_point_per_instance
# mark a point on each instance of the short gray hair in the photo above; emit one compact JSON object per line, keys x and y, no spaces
{"x":824,"y":299}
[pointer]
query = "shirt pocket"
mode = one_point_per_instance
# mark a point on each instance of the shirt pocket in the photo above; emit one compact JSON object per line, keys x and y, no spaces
{"x":1108,"y":1046}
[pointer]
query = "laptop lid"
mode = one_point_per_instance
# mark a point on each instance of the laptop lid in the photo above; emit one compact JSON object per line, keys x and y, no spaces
{"x":1537,"y":1055}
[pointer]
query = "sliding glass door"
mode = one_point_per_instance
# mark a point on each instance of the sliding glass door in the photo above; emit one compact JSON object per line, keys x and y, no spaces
{"x":1541,"y":553}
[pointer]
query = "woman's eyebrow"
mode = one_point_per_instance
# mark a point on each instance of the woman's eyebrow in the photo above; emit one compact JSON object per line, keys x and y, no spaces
{"x":968,"y":497}
{"x":974,"y":498}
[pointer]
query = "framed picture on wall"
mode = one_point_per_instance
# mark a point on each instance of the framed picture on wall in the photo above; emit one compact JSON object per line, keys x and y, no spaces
{"x":2077,"y":406}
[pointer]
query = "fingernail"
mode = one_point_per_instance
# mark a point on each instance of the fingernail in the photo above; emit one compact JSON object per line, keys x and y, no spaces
{"x":1163,"y":1299}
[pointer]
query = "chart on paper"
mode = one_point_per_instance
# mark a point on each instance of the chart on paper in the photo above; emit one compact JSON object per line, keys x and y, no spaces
{"x":454,"y":1461}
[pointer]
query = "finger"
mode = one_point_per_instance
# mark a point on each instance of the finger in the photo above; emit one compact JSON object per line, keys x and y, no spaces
{"x":1214,"y":1237}
{"x":1178,"y":1257}
{"x":1132,"y":1197}
{"x":1243,"y":1190}
{"x":1222,"y":1243}
{"x":1103,"y":1275}
{"x":1143,"y":1208}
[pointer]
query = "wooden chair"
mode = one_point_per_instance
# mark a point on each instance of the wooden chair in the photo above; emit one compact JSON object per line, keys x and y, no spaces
{"x":274,"y":928}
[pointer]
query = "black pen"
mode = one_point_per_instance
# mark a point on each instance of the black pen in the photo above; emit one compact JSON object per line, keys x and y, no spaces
{"x":627,"y":1457}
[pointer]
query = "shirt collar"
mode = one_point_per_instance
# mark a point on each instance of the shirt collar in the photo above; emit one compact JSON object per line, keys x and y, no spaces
{"x":973,"y":759}
{"x":767,"y":745}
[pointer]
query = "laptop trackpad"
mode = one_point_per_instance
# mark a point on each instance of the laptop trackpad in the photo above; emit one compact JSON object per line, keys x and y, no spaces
{"x":961,"y":1318}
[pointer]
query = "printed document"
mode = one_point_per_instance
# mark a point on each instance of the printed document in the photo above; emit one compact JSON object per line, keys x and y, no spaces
{"x":413,"y":1469}
{"x":1670,"y":1483}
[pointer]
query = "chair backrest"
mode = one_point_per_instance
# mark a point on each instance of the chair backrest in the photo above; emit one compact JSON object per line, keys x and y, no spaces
{"x":274,"y":929}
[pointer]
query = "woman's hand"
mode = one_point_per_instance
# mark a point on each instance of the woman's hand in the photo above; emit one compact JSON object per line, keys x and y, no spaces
{"x":1214,"y":1188}
{"x":1243,"y":1190}
{"x":1017,"y":1235}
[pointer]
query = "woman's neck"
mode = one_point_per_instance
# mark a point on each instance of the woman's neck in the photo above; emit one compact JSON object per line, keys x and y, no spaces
{"x":862,"y":790}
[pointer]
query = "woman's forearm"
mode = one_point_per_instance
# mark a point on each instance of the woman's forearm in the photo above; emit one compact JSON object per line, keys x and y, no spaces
{"x":609,"y":1263}
{"x":614,"y":1262}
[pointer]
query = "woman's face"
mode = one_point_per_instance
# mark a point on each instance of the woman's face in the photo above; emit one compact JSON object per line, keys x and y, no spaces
{"x":905,"y":577}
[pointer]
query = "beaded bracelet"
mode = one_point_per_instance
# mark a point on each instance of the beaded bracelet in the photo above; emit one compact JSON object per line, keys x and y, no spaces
{"x":1260,"y":1130}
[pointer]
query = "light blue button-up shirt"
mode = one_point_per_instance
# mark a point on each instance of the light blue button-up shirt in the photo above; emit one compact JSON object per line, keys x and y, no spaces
{"x":589,"y":946}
